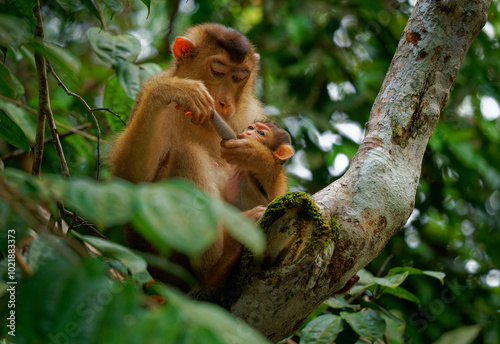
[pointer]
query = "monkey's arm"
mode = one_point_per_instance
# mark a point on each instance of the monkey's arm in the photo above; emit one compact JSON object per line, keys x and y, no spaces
{"x":145,"y":142}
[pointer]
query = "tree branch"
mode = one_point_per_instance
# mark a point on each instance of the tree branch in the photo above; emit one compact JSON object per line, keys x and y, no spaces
{"x":42,"y":89}
{"x":373,"y":200}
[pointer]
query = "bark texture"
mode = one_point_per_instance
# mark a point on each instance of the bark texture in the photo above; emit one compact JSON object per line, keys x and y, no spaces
{"x":305,"y":263}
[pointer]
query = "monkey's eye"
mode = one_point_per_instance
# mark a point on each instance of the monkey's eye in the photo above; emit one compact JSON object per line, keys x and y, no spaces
{"x":217,"y":73}
{"x":261,"y":133}
{"x":251,"y":127}
{"x":236,"y":79}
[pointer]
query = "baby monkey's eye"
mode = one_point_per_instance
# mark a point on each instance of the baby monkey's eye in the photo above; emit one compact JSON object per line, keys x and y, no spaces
{"x":251,"y":127}
{"x":261,"y":133}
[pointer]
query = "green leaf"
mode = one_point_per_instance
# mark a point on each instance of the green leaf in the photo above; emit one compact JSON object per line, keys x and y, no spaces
{"x":134,"y":263}
{"x":128,"y":75}
{"x":367,"y":280}
{"x":402,"y":294}
{"x":175,"y":214}
{"x":10,"y":86}
{"x":148,"y":4}
{"x":322,"y":330}
{"x":368,"y":324}
{"x":461,"y":335}
{"x":106,"y":203}
{"x":116,"y":99}
{"x":24,"y":120}
{"x":240,"y":227}
{"x":59,"y":57}
{"x":115,"y":50}
{"x":114,"y":5}
{"x":337,"y":302}
{"x":12,"y":133}
{"x":13,"y":31}
{"x":208,"y":323}
{"x":380,"y":309}
{"x":131,"y":77}
{"x":71,"y":5}
{"x":412,"y":271}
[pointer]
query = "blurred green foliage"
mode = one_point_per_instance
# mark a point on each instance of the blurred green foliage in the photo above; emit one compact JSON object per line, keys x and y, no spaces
{"x":322,"y":64}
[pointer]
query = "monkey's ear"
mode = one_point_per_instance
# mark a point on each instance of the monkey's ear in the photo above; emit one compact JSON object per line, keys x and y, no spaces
{"x":283,"y":152}
{"x":181,"y":47}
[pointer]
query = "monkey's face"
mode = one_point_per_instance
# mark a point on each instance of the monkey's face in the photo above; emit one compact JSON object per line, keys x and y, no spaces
{"x":225,"y":80}
{"x":257,"y":131}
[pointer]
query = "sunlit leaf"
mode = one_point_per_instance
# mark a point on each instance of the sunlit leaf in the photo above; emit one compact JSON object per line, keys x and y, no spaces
{"x":337,"y":302}
{"x":413,"y":271}
{"x":115,"y":50}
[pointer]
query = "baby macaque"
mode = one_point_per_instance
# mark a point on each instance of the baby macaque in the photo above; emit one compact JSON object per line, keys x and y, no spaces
{"x":258,"y":155}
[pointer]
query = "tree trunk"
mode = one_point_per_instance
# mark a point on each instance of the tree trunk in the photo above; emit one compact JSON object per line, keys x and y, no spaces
{"x":308,"y":258}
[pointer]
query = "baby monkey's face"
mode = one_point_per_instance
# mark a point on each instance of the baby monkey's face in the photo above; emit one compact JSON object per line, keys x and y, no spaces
{"x":257,"y":131}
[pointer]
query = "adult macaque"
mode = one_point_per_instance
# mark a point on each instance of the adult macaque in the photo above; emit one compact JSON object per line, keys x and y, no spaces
{"x":169,"y":134}
{"x":258,"y":155}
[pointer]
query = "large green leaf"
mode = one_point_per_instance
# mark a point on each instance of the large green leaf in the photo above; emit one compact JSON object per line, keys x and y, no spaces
{"x":12,"y":133}
{"x":322,"y":330}
{"x":115,"y":50}
{"x":174,"y":214}
{"x":105,"y":203}
{"x":368,"y":324}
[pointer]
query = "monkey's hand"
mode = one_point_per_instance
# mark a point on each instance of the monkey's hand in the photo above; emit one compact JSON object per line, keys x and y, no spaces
{"x":246,"y":154}
{"x":192,"y":99}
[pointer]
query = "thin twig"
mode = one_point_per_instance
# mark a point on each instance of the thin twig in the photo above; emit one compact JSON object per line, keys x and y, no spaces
{"x":83,"y":223}
{"x":42,"y":88}
{"x":382,"y":268}
{"x":98,"y":7}
{"x":110,"y":111}
{"x":90,"y":111}
{"x":44,"y":107}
